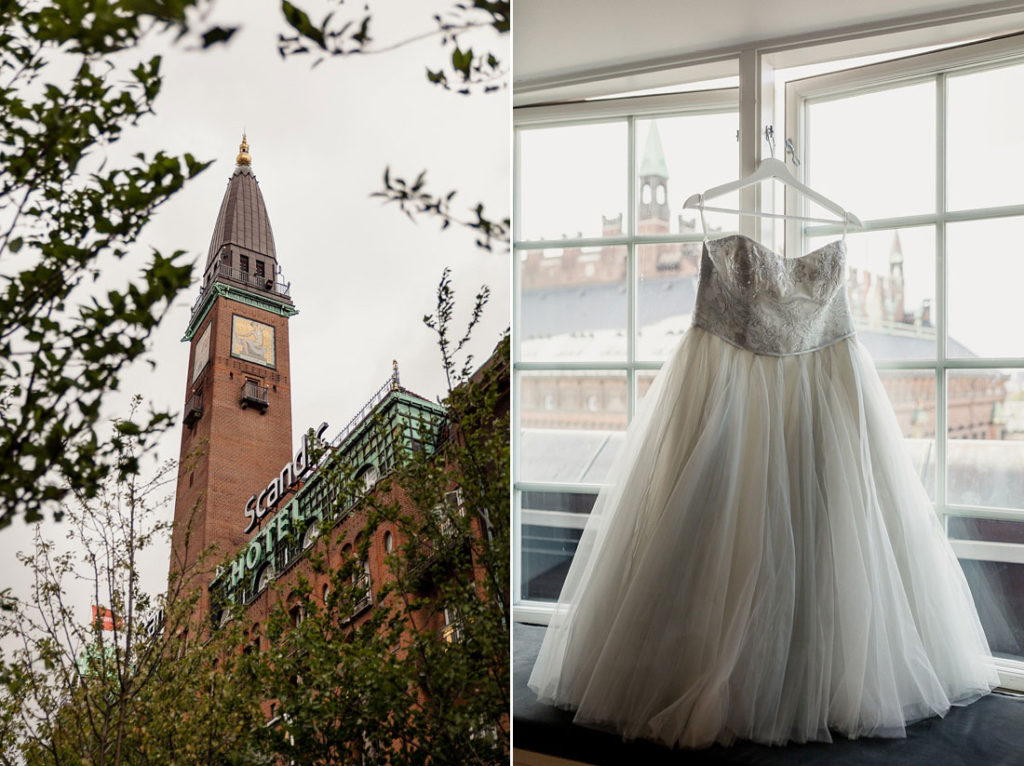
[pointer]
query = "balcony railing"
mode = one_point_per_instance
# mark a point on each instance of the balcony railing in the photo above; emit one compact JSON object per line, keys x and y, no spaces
{"x":268,"y":282}
{"x":392,"y":384}
{"x":193,"y":409}
{"x":255,"y":395}
{"x":366,"y":601}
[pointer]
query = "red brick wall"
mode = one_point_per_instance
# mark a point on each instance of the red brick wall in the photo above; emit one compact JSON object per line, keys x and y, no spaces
{"x":241,"y":449}
{"x":332,"y":546}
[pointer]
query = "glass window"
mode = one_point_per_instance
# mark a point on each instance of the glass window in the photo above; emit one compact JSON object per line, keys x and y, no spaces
{"x":986,"y":110}
{"x":574,"y":304}
{"x":552,"y":525}
{"x":604,"y":292}
{"x":890,"y":285}
{"x":572,"y":181}
{"x":985,"y":275}
{"x":936,"y":300}
{"x":850,"y":139}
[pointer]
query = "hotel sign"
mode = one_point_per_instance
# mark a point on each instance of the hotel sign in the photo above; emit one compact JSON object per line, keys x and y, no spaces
{"x":260,"y":504}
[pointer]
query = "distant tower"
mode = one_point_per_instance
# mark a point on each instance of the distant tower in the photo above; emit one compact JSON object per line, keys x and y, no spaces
{"x":653,"y":186}
{"x":238,"y":411}
{"x":896,"y":279}
{"x":653,"y":209}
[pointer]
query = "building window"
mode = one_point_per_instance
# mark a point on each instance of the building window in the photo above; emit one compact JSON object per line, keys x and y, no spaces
{"x":363,"y":587}
{"x":369,"y":477}
{"x":451,"y":632}
{"x":311,"y":533}
{"x":260,"y":269}
{"x":389,"y":542}
{"x":266,"y":576}
{"x":243,"y":264}
{"x":253,"y":647}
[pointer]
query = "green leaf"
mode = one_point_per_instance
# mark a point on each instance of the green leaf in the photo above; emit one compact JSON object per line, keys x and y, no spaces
{"x":299,"y":20}
{"x":215,"y":35}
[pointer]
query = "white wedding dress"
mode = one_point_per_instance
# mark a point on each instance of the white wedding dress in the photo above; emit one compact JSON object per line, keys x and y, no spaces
{"x":765,"y":563}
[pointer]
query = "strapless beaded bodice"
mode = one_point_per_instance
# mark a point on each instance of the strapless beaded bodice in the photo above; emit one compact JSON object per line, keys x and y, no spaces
{"x":754,"y":298}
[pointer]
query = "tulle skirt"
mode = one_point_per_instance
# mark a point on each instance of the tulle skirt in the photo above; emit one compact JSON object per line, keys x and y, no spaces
{"x":765,"y":564}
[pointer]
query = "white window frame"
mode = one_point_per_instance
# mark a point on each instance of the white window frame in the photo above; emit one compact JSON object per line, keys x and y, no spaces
{"x":630,"y":110}
{"x":756,"y":96}
{"x":934,"y":67}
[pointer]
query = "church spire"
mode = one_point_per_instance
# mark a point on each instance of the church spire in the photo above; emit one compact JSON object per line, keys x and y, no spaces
{"x":654,"y":214}
{"x":653,"y":162}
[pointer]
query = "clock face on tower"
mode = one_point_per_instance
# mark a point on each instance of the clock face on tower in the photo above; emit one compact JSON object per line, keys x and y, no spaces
{"x":252,"y":341}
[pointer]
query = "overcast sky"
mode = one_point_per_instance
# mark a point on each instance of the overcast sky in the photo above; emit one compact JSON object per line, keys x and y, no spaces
{"x":362,"y":275}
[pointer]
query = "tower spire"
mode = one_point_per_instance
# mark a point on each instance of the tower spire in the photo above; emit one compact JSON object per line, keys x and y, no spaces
{"x":653,"y":162}
{"x":243,"y":157}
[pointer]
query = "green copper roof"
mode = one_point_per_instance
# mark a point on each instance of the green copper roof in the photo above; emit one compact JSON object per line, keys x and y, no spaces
{"x":653,"y":163}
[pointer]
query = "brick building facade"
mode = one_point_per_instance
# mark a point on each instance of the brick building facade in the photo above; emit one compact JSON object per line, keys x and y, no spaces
{"x":241,"y":489}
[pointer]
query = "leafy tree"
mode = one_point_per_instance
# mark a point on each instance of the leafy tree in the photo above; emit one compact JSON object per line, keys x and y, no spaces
{"x":467,"y":70}
{"x":422,"y":677}
{"x":70,"y":86}
{"x":141,"y":689}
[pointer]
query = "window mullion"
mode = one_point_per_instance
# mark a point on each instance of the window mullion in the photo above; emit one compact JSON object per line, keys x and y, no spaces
{"x":750,"y":155}
{"x":631,"y":272}
{"x":941,"y":295}
{"x":514,"y":409}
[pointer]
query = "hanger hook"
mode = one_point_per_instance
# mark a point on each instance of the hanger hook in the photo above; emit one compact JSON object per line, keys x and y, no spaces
{"x":791,"y":151}
{"x":769,"y":136}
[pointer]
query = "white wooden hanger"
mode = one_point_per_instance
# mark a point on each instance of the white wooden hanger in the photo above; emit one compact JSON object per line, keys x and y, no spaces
{"x":769,"y":169}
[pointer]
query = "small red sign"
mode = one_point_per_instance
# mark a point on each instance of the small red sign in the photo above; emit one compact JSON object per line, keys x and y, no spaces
{"x":103,"y":617}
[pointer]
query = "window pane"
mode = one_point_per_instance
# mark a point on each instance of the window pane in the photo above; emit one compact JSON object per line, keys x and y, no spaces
{"x":666,"y":296}
{"x":986,"y":271}
{"x":985,"y":450}
{"x":874,"y":153}
{"x":552,"y":525}
{"x":988,"y":530}
{"x":983,"y":133}
{"x":890,"y":284}
{"x":572,"y":424}
{"x":998,"y":589}
{"x":573,"y":304}
{"x":643,"y":384}
{"x":912,"y":393}
{"x":677,"y":157}
{"x":572,"y":181}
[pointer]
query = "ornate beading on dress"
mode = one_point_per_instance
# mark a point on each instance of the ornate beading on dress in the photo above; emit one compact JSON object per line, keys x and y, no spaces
{"x":758,"y":300}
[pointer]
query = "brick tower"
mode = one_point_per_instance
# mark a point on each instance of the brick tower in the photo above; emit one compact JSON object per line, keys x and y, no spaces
{"x":653,"y":213}
{"x":238,"y":415}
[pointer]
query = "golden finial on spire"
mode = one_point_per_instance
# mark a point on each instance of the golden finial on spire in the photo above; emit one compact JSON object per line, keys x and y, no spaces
{"x":243,"y":157}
